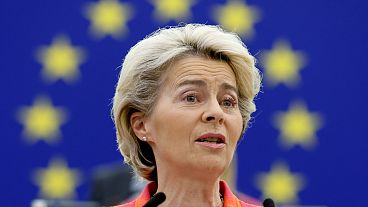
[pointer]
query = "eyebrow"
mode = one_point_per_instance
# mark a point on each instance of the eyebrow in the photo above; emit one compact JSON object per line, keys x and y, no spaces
{"x":199,"y":83}
{"x":229,"y":87}
{"x":202,"y":83}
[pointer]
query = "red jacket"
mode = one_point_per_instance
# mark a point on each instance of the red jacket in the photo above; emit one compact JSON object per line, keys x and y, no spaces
{"x":230,"y":200}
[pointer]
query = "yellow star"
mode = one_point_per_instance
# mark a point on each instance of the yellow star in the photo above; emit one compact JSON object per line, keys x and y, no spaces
{"x":42,"y":121}
{"x":280,"y":184}
{"x":178,"y":10}
{"x":237,"y":16}
{"x":282,"y":64}
{"x":298,"y":126}
{"x":57,"y":181}
{"x":108,"y":17}
{"x":60,"y":60}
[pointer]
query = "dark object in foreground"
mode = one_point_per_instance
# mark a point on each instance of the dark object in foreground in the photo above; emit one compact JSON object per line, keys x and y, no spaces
{"x":268,"y":203}
{"x":156,"y":200}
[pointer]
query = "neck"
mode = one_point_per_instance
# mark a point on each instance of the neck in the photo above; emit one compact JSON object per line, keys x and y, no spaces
{"x":187,"y":191}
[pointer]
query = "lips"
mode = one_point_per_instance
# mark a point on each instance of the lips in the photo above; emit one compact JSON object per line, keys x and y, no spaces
{"x":212,"y":138}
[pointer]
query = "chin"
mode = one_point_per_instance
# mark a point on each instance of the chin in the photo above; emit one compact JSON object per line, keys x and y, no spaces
{"x":211,"y":165}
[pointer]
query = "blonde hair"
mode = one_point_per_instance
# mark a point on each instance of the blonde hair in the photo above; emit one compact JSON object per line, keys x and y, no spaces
{"x":142,"y":75}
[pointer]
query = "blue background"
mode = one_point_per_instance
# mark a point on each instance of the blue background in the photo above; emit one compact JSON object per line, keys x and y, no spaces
{"x":333,"y":35}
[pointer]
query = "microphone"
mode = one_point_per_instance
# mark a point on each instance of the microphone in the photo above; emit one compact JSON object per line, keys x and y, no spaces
{"x":156,"y":200}
{"x":268,"y":202}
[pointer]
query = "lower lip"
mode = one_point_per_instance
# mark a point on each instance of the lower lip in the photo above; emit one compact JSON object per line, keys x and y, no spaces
{"x":211,"y":145}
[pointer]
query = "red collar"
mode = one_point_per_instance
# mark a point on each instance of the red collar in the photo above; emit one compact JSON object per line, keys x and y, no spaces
{"x":230,"y":200}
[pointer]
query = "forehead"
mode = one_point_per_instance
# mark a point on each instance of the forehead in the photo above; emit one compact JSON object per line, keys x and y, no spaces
{"x":195,"y":67}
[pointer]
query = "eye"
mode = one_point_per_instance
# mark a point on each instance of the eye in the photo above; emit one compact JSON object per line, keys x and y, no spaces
{"x":191,"y":98}
{"x":229,"y":103}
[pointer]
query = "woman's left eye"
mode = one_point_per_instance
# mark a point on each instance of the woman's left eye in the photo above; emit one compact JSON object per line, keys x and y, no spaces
{"x":229,"y":103}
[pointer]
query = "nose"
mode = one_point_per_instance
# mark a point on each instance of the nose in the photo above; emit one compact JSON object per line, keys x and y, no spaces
{"x":213,"y":112}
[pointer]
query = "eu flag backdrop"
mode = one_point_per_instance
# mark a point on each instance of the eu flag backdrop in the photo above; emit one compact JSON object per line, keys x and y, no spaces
{"x":306,"y":145}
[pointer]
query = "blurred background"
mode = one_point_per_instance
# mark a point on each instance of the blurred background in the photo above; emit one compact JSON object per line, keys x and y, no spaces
{"x":59,"y":62}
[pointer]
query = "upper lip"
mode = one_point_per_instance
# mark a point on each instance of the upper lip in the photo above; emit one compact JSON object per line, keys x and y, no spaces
{"x":213,"y":135}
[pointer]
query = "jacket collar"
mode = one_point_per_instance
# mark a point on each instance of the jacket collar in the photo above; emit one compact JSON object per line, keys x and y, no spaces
{"x":230,"y":200}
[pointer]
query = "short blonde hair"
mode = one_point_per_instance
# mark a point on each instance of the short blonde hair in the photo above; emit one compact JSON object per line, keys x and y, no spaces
{"x":142,"y":75}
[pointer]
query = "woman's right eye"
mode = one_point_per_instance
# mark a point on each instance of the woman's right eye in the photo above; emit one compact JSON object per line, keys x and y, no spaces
{"x":191,"y":98}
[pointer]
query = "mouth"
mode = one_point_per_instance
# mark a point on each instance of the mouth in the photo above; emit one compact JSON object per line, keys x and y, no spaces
{"x":212,"y":138}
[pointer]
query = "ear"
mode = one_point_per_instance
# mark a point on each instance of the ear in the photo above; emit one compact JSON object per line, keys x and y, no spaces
{"x":137,"y":122}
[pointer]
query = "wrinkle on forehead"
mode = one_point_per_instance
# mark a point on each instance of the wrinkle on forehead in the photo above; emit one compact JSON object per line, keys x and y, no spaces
{"x":199,"y":67}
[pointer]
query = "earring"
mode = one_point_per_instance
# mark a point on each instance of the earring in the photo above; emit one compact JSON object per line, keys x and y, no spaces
{"x":144,"y":139}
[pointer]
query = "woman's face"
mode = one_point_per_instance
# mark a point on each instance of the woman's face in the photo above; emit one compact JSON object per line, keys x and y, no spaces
{"x":196,"y":122}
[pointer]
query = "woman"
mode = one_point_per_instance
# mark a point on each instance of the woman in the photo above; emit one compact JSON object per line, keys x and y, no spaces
{"x":182,"y":102}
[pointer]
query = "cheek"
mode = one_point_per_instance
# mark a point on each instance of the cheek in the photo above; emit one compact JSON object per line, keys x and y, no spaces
{"x":172,"y":126}
{"x":236,"y":126}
